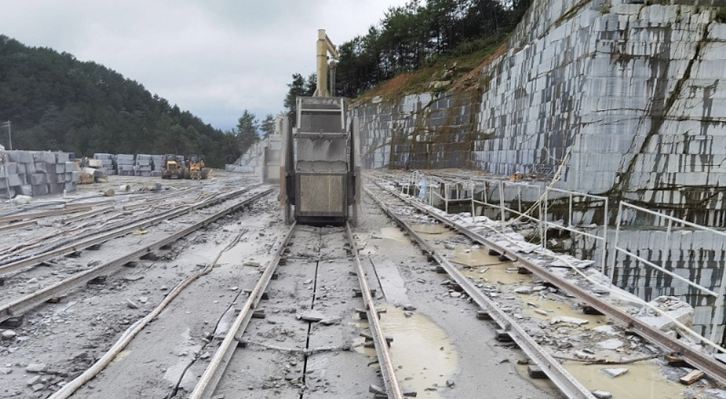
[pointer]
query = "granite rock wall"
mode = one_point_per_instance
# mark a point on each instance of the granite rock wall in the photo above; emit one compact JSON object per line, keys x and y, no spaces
{"x":628,"y":99}
{"x":625,"y":99}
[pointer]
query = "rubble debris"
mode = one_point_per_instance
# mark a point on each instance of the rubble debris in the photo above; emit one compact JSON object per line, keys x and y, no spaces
{"x":691,"y":377}
{"x":615,"y":372}
{"x":568,"y":320}
{"x":673,"y":307}
{"x":36,"y":368}
{"x":612,"y":344}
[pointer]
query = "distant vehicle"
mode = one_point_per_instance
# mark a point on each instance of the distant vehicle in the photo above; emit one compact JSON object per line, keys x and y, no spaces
{"x":195,"y":168}
{"x":173,"y":168}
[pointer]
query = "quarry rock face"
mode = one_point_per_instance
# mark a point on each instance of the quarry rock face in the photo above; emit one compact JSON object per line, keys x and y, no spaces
{"x":627,"y":99}
{"x":614,"y":97}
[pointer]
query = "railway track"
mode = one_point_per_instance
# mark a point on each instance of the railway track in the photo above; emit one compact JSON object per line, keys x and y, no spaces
{"x":209,"y":382}
{"x":564,"y":381}
{"x":385,"y":198}
{"x":80,"y":243}
{"x":18,"y":306}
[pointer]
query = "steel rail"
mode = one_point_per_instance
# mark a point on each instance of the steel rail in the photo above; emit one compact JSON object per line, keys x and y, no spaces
{"x":69,"y":209}
{"x":84,"y":243}
{"x":557,"y":373}
{"x":708,"y":364}
{"x":393,"y":388}
{"x":213,"y":373}
{"x":31,"y":301}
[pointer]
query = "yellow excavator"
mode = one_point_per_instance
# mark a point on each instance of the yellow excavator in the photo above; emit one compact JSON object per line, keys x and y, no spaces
{"x":195,"y":169}
{"x":173,"y":168}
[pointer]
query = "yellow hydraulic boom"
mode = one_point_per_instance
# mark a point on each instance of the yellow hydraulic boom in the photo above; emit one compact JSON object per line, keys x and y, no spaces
{"x":325,"y":70}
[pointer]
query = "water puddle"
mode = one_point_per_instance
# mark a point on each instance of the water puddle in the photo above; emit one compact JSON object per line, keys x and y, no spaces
{"x":431,"y":229}
{"x":421,"y":351}
{"x":502,"y":273}
{"x":393,"y":233}
{"x":644,"y":380}
{"x":555,"y":308}
{"x":473,"y":257}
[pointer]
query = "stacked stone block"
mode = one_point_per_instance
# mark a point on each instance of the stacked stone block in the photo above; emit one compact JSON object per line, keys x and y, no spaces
{"x":143,"y":165}
{"x":125,"y":164}
{"x":108,"y":161}
{"x":157,"y":163}
{"x":35,"y":173}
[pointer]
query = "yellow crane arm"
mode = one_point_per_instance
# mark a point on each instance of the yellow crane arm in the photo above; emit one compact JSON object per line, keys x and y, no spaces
{"x":325,"y":46}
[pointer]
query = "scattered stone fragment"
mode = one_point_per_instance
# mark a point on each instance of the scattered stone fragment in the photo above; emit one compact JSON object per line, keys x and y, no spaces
{"x":606,"y":329}
{"x":612,"y":344}
{"x":523,"y":290}
{"x":692,"y":377}
{"x":450,"y":383}
{"x":568,"y":320}
{"x":455,"y":294}
{"x":36,"y":368}
{"x":602,"y":394}
{"x":584,"y":355}
{"x":535,"y":372}
{"x":409,"y":308}
{"x":311,"y":316}
{"x":33,"y":380}
{"x":5,"y":370}
{"x":9,"y":334}
{"x":615,"y":372}
{"x":131,"y":304}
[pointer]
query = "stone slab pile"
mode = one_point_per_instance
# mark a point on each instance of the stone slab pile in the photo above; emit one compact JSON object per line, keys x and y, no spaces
{"x":36,"y":173}
{"x":157,"y":163}
{"x":143,"y":165}
{"x":108,"y":161}
{"x":125,"y":164}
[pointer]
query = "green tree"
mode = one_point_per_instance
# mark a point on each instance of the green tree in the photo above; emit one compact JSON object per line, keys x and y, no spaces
{"x":57,"y":102}
{"x":268,"y":125}
{"x":247,"y":131}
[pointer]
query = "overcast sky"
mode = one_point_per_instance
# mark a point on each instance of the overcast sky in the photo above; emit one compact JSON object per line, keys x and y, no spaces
{"x":212,"y":57}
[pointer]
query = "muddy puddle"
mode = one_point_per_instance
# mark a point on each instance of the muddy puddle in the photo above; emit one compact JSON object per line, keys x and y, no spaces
{"x":432,"y":229}
{"x":422,"y":353}
{"x":555,"y":308}
{"x":393,"y":233}
{"x":644,"y":380}
{"x":471,"y":257}
{"x":501,"y":273}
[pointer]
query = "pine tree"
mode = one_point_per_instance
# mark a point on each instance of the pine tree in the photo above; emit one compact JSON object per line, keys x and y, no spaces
{"x":247,"y":131}
{"x":268,"y":125}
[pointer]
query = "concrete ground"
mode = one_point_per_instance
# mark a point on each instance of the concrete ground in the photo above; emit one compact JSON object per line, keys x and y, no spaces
{"x":310,"y":342}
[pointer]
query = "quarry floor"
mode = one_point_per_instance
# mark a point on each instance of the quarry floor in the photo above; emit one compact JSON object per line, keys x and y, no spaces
{"x":309,"y":343}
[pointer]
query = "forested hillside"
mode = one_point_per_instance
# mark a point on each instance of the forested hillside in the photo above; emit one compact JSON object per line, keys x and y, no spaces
{"x":57,"y":102}
{"x":423,"y":35}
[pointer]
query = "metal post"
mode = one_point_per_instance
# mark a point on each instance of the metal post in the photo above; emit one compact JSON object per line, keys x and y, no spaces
{"x":569,"y":223}
{"x":473,"y":210}
{"x":718,"y":308}
{"x":539,"y":216}
{"x":446,"y":197}
{"x":544,"y":218}
{"x":501,"y":201}
{"x":615,"y":246}
{"x":604,"y":238}
{"x":519,"y":198}
{"x":431,"y":194}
